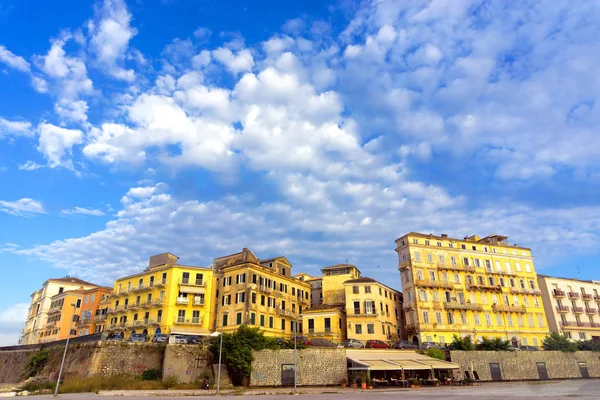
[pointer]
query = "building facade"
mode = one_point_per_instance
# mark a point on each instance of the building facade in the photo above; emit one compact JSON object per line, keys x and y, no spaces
{"x":316,"y":288}
{"x":37,"y":315}
{"x":164,"y":298}
{"x":327,"y":322}
{"x":260,"y":293}
{"x":93,"y":311}
{"x":469,"y":287}
{"x":571,"y":306}
{"x":63,"y":314}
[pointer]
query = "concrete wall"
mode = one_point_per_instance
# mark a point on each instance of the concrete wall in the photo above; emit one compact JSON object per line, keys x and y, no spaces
{"x":315,"y":366}
{"x":188,"y":363}
{"x":84,"y":359}
{"x":520,"y":365}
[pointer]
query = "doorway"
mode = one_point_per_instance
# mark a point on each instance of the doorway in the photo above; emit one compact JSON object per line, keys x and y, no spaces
{"x":495,"y":372}
{"x":583,"y":369}
{"x":542,"y":371}
{"x":287,"y":374}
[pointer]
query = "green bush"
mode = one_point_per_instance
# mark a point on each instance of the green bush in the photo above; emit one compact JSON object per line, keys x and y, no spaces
{"x":436,"y":353}
{"x":151,"y":375}
{"x":556,"y":341}
{"x":588,"y":345}
{"x":39,"y":385}
{"x":459,"y":343}
{"x":495,"y":344}
{"x":37,"y":361}
{"x":170,"y":382}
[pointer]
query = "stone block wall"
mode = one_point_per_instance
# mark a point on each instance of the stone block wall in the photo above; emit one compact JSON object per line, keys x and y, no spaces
{"x":522,"y":365}
{"x":315,"y":366}
{"x":188,"y":363}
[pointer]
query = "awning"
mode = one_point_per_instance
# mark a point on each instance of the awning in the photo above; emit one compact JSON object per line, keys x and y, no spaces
{"x":439,"y":364}
{"x":387,"y":360}
{"x":190,"y":331}
{"x":411,"y":365}
{"x":381,"y":365}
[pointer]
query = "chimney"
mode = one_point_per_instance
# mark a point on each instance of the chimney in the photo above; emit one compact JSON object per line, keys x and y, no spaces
{"x":444,"y":236}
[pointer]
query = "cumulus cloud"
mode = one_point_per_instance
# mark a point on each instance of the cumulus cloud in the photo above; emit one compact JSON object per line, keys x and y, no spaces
{"x":83,"y":211}
{"x":110,"y":36}
{"x":241,"y":61}
{"x":13,"y":61}
{"x":56,"y":143}
{"x":11,"y":322}
{"x":23,"y":207}
{"x":15,"y":128}
{"x":30,"y":166}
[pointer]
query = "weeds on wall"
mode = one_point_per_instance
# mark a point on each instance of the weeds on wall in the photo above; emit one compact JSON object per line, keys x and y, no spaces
{"x":37,"y":361}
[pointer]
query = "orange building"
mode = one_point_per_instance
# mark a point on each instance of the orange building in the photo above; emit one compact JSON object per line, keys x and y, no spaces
{"x":93,"y":311}
{"x":64,"y":309}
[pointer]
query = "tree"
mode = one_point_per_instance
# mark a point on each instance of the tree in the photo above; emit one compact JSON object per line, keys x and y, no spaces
{"x":459,"y":343}
{"x":436,"y":353}
{"x":237,"y":351}
{"x":556,"y":341}
{"x":494,"y":344}
{"x":588,"y":345}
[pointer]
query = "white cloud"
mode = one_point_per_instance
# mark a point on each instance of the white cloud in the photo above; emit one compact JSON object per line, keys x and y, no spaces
{"x":12,"y":320}
{"x":202,"y":33}
{"x":23,"y":207}
{"x":15,"y":128}
{"x":111,"y":33}
{"x":17,"y":313}
{"x":13,"y":61}
{"x":83,"y":211}
{"x":30,"y":166}
{"x":236,"y":63}
{"x":56,"y":143}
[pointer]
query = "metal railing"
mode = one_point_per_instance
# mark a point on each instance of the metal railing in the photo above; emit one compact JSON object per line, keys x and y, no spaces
{"x":577,"y":310}
{"x":503,"y":308}
{"x":192,"y":282}
{"x":558,"y":293}
{"x":188,"y":321}
{"x":573,"y":295}
{"x":433,"y":284}
{"x":183,"y":300}
{"x":455,"y":305}
{"x":562,"y":308}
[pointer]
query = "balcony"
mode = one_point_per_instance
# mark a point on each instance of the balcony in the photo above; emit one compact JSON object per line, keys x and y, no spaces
{"x":409,"y":306}
{"x":183,"y":300}
{"x":562,"y":309}
{"x":190,"y":282}
{"x":199,"y":301}
{"x":586,"y":296}
{"x":525,"y":291}
{"x":433,"y":284}
{"x":54,"y":310}
{"x":513,"y":309}
{"x":456,"y":267}
{"x":84,"y":322}
{"x":134,"y":306}
{"x":146,"y":304}
{"x":577,"y":310}
{"x":161,"y":283}
{"x":189,"y":321}
{"x":357,"y":313}
{"x":158,"y":302}
{"x":284,"y":313}
{"x":265,"y":289}
{"x":596,"y":297}
{"x":144,"y":322}
{"x":505,"y":273}
{"x":558,"y":293}
{"x":454,"y":305}
{"x":404,"y":266}
{"x":484,"y":286}
{"x":568,"y":324}
{"x":573,"y":295}
{"x":100,"y":318}
{"x":591,"y":310}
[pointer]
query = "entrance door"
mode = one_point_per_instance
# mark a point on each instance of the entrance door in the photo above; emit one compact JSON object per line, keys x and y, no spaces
{"x":584,"y":370}
{"x":287,"y":375}
{"x":495,"y":371}
{"x":542,"y":371}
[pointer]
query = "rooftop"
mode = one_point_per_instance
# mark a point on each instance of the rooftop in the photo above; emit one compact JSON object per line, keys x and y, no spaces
{"x":493,"y":239}
{"x":569,"y":279}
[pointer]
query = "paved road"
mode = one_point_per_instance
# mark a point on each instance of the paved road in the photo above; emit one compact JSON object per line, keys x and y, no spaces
{"x":580,"y":389}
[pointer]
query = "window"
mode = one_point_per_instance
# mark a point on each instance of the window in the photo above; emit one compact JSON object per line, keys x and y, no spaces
{"x":427,"y":242}
{"x":238,"y":318}
{"x":536,"y":302}
{"x":415,"y":241}
{"x":254,"y":277}
{"x":502,"y":282}
{"x":271,"y":322}
{"x":451,"y":245}
{"x":429,"y":258}
{"x":355,"y":289}
{"x":466,"y":261}
{"x":439,"y":244}
{"x":463,"y":246}
{"x":508,"y":267}
{"x":262,"y":299}
{"x":358,"y":328}
{"x":498,"y":266}
{"x":499,"y":320}
{"x":420,"y":274}
{"x":282,"y":273}
{"x":425,"y":317}
{"x":568,"y":335}
{"x":253,"y":297}
{"x":367,"y":289}
{"x":476,"y":317}
{"x":488,"y":319}
{"x":436,"y":296}
{"x":488,"y":265}
{"x":417,"y":256}
{"x":477,"y":262}
{"x":520,"y":320}
{"x":453,"y":260}
{"x":509,"y":319}
{"x":450,"y":318}
{"x":491,"y":280}
{"x":224,"y":319}
{"x":252,"y":318}
{"x":240,"y":297}
{"x":444,"y":276}
{"x":422,"y":295}
{"x":262,"y":320}
{"x":541,"y":321}
{"x":527,"y":268}
{"x":511,"y":281}
{"x":526,"y":301}
{"x":582,"y":335}
{"x":432,"y":275}
{"x":463,"y":318}
{"x":474,"y":248}
{"x":484,"y":298}
{"x":456,"y":278}
{"x":438,"y":317}
{"x":283,"y":324}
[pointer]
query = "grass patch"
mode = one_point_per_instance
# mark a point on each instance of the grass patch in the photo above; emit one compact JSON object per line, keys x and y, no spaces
{"x":96,"y":383}
{"x":39,"y":385}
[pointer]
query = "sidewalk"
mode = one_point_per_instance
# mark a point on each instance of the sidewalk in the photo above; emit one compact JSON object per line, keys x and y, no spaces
{"x":246,"y":392}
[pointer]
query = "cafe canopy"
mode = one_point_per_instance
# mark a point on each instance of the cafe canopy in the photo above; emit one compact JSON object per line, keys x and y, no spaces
{"x":394,"y":360}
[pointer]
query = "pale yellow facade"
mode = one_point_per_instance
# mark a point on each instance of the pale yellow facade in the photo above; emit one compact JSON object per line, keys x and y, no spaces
{"x":259,"y":293}
{"x":572,"y":306}
{"x":469,"y":287}
{"x":333,"y":279}
{"x":325,"y":322}
{"x":373,"y":311}
{"x":40,"y":305}
{"x":164,"y":298}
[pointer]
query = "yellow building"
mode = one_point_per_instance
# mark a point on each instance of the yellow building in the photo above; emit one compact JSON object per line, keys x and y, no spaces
{"x":316,"y":286}
{"x":64,"y":311}
{"x":164,"y":298}
{"x":469,"y":287}
{"x":572,"y":306}
{"x":373,"y":310}
{"x":259,"y":293}
{"x":37,"y":315}
{"x":353,"y":307}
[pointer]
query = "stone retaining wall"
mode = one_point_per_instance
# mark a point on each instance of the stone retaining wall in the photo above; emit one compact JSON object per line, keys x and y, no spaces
{"x":315,"y":366}
{"x":523,"y":365}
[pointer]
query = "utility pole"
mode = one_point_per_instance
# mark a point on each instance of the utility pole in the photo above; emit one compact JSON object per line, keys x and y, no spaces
{"x":65,"y":353}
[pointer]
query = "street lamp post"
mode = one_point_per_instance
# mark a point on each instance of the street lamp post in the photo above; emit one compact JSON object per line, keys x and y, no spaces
{"x":296,"y":353}
{"x":65,"y":353}
{"x":220,"y":358}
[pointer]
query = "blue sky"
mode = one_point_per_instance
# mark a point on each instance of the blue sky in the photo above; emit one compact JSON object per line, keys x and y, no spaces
{"x":317,"y":130}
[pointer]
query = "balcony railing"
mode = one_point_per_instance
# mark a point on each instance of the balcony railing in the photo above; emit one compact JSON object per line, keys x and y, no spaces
{"x":84,"y":322}
{"x":199,"y":302}
{"x":192,"y":282}
{"x":54,"y":310}
{"x":591,"y":310}
{"x":577,"y":310}
{"x":183,"y":300}
{"x":433,"y":284}
{"x":580,"y":324}
{"x":189,"y":321}
{"x":357,"y":313}
{"x":456,"y":267}
{"x":505,"y":273}
{"x":562,"y":309}
{"x":558,"y":293}
{"x":586,"y":296}
{"x":525,"y":291}
{"x":265,"y":289}
{"x":503,"y":308}
{"x":455,"y":305}
{"x":100,"y":318}
{"x":596,"y":297}
{"x":158,"y":302}
{"x":160,"y":283}
{"x":484,"y":286}
{"x":282,"y":312}
{"x":573,"y":295}
{"x":146,"y":304}
{"x":144,"y":322}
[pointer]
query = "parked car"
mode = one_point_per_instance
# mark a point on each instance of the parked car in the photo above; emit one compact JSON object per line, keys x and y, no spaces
{"x":353,"y":343}
{"x":180,"y":339}
{"x":138,"y":337}
{"x":405,"y":345}
{"x":376,"y":344}
{"x":530,"y":348}
{"x":160,"y":338}
{"x":302,"y":339}
{"x":430,"y":345}
{"x":323,"y":343}
{"x":194,"y":339}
